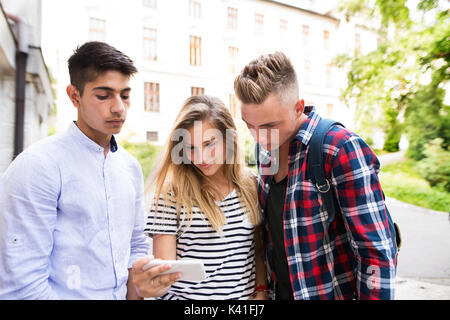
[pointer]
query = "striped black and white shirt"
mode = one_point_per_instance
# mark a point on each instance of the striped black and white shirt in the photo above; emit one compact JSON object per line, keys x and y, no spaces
{"x":229,"y":258}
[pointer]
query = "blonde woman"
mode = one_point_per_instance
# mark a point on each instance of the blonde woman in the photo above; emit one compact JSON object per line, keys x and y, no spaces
{"x":205,"y":207}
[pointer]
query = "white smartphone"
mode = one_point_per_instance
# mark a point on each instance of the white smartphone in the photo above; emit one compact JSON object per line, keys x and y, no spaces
{"x":191,"y":270}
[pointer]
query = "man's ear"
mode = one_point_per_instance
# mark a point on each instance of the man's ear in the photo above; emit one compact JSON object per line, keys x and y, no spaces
{"x":299,"y":107}
{"x":74,"y":95}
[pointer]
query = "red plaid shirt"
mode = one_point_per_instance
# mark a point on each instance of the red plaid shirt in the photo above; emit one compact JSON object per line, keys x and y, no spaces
{"x":354,"y":257}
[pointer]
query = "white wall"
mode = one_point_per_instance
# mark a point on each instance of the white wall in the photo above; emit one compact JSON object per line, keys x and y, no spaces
{"x":38,"y":99}
{"x":7,"y":121}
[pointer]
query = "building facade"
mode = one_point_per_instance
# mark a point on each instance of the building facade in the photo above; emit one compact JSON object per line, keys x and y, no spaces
{"x":186,"y":47}
{"x":26,"y":97}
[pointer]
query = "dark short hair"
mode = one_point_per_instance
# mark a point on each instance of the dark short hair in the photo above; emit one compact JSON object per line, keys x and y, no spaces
{"x":95,"y":58}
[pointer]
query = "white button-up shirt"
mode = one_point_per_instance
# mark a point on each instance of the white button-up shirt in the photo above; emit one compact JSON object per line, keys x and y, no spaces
{"x":71,"y":220}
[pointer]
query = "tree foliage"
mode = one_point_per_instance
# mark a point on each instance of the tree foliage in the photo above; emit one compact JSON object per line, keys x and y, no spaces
{"x":436,"y":166}
{"x":400,"y":85}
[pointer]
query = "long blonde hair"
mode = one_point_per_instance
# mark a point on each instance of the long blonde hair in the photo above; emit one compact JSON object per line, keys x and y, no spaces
{"x":185,"y":185}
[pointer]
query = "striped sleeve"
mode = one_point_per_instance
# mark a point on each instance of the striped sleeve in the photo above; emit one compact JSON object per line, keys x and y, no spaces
{"x":163,"y":219}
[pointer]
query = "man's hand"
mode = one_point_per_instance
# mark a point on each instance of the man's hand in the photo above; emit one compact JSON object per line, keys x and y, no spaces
{"x":151,"y":283}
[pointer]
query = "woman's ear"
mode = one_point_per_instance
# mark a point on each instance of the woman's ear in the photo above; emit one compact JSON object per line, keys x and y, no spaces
{"x":74,"y":95}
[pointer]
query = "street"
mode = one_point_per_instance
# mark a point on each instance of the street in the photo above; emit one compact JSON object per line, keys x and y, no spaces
{"x":424,"y":259}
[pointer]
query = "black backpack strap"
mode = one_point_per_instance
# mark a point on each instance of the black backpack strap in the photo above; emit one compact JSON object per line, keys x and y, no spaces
{"x":257,"y":156}
{"x":316,"y":164}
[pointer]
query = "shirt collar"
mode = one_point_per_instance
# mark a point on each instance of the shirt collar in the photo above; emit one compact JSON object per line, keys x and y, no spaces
{"x":307,"y":129}
{"x":81,"y":137}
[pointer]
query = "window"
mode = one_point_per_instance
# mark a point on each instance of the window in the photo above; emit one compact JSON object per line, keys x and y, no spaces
{"x":259,"y":23}
{"x":305,"y":33}
{"x":328,"y":78}
{"x":197,"y":91}
{"x":149,"y":3}
{"x":151,"y":96}
{"x":195,"y":8}
{"x":97,"y":29}
{"x":232,"y":56}
{"x":329,"y":110}
{"x":152,"y":136}
{"x":150,"y":44}
{"x":326,"y":39}
{"x":308,"y":71}
{"x":357,"y":41}
{"x":233,"y":105}
{"x":232,"y":18}
{"x":195,"y":51}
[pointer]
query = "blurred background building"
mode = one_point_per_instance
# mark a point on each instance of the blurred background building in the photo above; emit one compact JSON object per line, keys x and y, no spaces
{"x":180,"y":47}
{"x":26,"y":97}
{"x":187,"y":47}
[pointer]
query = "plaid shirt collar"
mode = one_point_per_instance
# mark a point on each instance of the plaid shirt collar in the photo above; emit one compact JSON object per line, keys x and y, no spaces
{"x":306,"y":130}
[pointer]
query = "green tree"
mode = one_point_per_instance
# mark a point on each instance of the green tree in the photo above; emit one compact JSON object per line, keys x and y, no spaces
{"x":436,"y":166}
{"x":388,"y":84}
{"x":144,"y":152}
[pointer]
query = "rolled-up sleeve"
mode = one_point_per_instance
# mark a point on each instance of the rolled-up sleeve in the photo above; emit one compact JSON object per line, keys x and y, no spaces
{"x":360,"y":196}
{"x":29,"y":192}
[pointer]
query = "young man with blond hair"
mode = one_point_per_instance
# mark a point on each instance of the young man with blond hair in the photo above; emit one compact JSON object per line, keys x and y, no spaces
{"x":310,"y":256}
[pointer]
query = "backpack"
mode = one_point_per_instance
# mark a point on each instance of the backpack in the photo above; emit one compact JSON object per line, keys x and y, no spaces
{"x":316,"y":166}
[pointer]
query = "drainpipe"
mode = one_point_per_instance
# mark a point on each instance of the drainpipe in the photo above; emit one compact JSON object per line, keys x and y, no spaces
{"x":21,"y":71}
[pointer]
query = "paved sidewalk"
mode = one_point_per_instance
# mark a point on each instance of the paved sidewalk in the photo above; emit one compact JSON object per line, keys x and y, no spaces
{"x":423,"y":271}
{"x":388,"y":158}
{"x":416,"y":289}
{"x":424,"y":259}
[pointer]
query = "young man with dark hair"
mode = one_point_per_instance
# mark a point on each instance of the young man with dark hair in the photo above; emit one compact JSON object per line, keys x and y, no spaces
{"x":71,"y":205}
{"x":310,"y":254}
